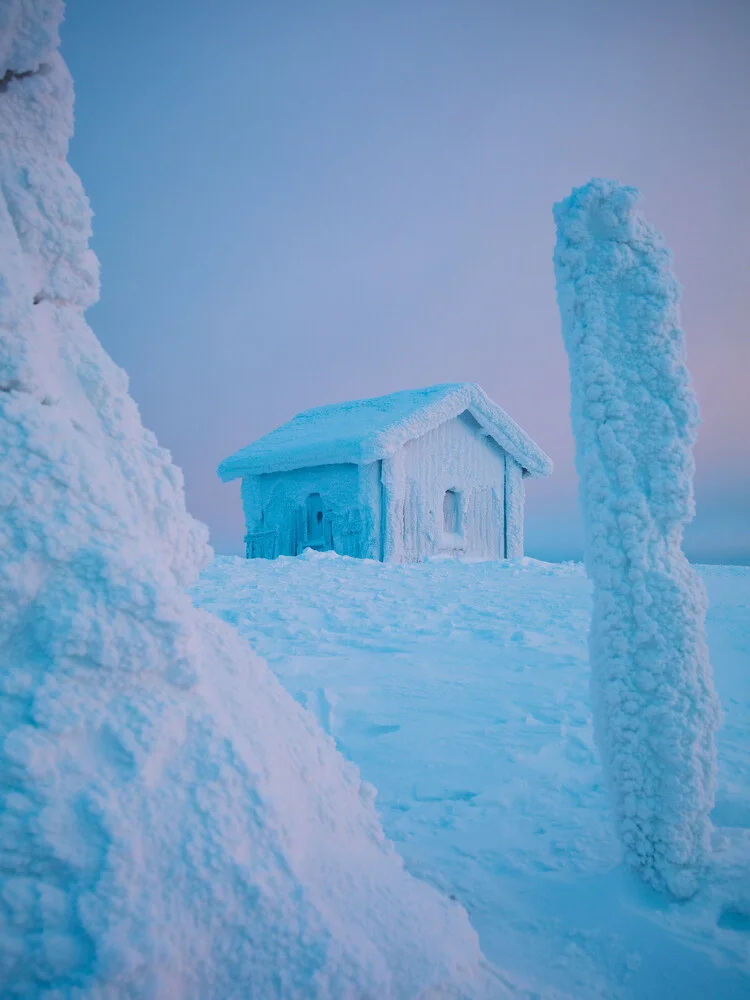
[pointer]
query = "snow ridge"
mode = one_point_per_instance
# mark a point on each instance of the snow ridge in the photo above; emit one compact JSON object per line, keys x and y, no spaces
{"x":635,"y":417}
{"x":172,"y":823}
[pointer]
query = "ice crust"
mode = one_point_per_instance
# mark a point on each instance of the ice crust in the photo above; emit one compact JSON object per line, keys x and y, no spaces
{"x":367,"y":430}
{"x":172,"y":823}
{"x":634,"y":418}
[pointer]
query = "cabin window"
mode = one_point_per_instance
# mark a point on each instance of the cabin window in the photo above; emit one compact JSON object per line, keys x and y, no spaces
{"x":314,"y":517}
{"x":452,"y":512}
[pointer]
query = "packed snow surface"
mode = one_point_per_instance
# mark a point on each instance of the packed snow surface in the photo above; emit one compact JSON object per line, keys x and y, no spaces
{"x":366,"y":430}
{"x":634,"y":419}
{"x":461,"y":690}
{"x":172,"y":824}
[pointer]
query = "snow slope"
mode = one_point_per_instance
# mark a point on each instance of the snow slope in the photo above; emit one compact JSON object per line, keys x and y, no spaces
{"x":635,"y":417}
{"x":172,"y":823}
{"x":462,"y":693}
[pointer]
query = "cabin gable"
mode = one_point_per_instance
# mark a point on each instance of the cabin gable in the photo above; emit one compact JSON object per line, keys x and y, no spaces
{"x":446,"y":491}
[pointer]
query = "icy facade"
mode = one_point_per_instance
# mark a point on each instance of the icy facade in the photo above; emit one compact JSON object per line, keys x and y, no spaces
{"x":634,"y":419}
{"x":172,"y":823}
{"x":393,"y":510}
{"x":380,"y":473}
{"x":444,"y":494}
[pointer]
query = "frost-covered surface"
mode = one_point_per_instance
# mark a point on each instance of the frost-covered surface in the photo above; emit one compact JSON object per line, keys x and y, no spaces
{"x":367,"y":430}
{"x":634,"y":419}
{"x":28,"y":33}
{"x":393,"y":509}
{"x":454,"y":456}
{"x":380,"y":468}
{"x":462,"y":692}
{"x":277,"y":516}
{"x":514,"y":504}
{"x":172,"y":824}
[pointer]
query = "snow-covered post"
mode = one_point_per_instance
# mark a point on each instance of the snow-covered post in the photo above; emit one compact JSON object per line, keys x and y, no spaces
{"x":634,"y":418}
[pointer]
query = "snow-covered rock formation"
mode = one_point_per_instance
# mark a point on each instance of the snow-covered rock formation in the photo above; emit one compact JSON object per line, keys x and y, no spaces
{"x":172,"y":824}
{"x":634,"y":418}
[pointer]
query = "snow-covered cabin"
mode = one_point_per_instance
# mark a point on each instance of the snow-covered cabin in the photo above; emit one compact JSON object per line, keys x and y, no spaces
{"x":397,"y":478}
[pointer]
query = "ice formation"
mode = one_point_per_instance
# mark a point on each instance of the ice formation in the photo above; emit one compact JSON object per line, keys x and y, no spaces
{"x":379,"y":473}
{"x":634,"y":419}
{"x":172,"y":823}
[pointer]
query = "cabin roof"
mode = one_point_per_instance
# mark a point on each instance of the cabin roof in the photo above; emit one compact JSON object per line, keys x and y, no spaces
{"x":366,"y":430}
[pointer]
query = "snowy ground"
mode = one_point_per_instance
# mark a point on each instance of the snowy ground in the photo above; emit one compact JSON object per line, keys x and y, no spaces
{"x":461,"y":692}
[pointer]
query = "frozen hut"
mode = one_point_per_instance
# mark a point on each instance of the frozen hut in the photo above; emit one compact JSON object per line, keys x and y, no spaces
{"x":397,"y":478}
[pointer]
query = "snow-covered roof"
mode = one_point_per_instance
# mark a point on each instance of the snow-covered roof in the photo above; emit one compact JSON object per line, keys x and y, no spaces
{"x":366,"y":430}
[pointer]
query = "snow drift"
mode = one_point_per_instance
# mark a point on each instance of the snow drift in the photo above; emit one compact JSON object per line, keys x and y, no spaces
{"x":172,"y":823}
{"x":634,"y":418}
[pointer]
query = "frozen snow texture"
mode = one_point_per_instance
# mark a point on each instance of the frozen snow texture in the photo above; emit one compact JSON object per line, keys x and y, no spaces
{"x":485,"y":766}
{"x":368,"y":430}
{"x":381,"y":468}
{"x":634,"y":419}
{"x":514,"y":504}
{"x":454,"y":458}
{"x":392,"y":510}
{"x":28,"y":32}
{"x":172,"y":824}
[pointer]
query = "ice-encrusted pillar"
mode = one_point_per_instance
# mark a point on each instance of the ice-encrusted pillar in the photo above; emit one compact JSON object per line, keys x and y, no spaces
{"x":634,"y":418}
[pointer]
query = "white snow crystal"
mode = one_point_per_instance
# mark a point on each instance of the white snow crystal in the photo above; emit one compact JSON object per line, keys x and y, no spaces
{"x":172,"y":824}
{"x":634,"y":418}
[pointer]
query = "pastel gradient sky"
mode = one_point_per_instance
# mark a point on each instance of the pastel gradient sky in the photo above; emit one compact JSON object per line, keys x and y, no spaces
{"x":302,"y":202}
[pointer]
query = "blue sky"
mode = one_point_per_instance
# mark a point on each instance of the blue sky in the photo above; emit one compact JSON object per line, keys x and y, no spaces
{"x":298,"y":203}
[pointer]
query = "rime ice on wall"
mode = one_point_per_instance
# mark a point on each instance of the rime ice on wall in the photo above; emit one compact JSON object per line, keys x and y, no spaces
{"x":455,"y":456}
{"x":411,"y":484}
{"x":172,"y":824}
{"x":634,"y":418}
{"x":381,"y":468}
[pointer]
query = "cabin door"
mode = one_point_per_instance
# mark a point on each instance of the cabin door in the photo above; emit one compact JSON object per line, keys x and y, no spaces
{"x":317,"y":525}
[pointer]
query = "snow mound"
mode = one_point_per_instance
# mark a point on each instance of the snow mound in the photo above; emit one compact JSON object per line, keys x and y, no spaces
{"x":634,"y":419}
{"x":172,"y":824}
{"x":367,"y":430}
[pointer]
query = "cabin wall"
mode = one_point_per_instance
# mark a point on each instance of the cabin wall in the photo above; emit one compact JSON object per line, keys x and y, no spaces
{"x":455,"y":456}
{"x":276,"y":514}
